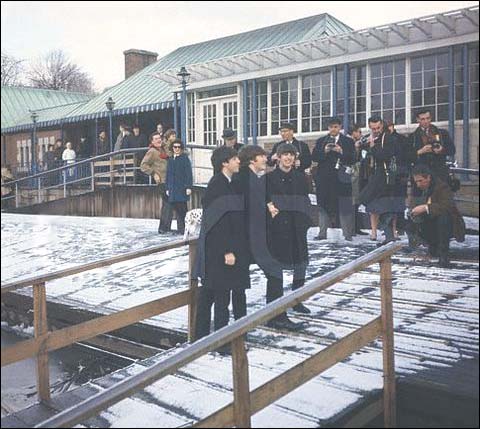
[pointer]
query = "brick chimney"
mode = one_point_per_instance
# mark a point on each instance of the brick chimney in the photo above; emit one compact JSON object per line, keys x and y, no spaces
{"x":137,"y":59}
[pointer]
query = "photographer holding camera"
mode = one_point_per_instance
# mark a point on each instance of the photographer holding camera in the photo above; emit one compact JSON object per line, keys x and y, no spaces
{"x":435,"y":216}
{"x":432,"y":145}
{"x":334,"y":154}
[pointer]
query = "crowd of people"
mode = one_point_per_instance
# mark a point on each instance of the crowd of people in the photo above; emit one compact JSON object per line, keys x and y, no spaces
{"x":257,"y":210}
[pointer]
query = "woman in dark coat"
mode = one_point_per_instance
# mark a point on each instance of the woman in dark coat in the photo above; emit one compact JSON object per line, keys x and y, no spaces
{"x":379,"y":194}
{"x":223,"y":257}
{"x":179,"y":182}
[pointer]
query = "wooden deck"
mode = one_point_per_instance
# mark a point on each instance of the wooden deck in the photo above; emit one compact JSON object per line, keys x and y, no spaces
{"x":436,"y":345}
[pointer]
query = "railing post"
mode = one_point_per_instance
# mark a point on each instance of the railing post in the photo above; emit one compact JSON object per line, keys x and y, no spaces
{"x":41,"y":329}
{"x":64,"y":176}
{"x":124,"y":169}
{"x":112,"y":170}
{"x":92,"y":174}
{"x":39,"y":190}
{"x":193,"y":285}
{"x":16,"y":196}
{"x":241,"y":385}
{"x":389,"y":388}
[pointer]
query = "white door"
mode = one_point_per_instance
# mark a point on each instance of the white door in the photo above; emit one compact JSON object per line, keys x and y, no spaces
{"x":214,"y":117}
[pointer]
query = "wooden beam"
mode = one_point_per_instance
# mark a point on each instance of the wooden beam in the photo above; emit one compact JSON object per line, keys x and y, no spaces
{"x":303,"y":54}
{"x":471,"y":16}
{"x":283,"y":384}
{"x":401,"y":31}
{"x":448,"y":22}
{"x":389,"y":391}
{"x":64,"y":337}
{"x":424,"y":27}
{"x":359,"y":39}
{"x":41,"y":328}
{"x":241,"y":385}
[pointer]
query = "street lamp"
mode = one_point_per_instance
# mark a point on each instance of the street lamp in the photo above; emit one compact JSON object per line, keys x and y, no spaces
{"x":110,"y":105}
{"x":34,"y":117}
{"x":184,"y":77}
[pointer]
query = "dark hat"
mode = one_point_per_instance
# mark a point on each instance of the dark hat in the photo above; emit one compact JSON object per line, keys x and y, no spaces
{"x":228,"y":133}
{"x":287,"y":125}
{"x":287,"y":148}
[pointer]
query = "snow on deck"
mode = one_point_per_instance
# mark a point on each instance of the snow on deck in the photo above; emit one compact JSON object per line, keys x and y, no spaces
{"x":435,"y":318}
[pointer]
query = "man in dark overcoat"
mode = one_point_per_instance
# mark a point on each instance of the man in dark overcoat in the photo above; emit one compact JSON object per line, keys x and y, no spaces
{"x":304,"y":159}
{"x":335,"y":154}
{"x":223,"y":257}
{"x":289,"y":207}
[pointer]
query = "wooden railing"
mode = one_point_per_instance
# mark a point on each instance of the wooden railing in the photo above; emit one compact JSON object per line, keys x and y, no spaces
{"x":245,"y":402}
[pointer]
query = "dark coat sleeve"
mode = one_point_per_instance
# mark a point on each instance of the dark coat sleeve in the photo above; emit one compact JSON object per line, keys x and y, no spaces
{"x":270,"y":162}
{"x":348,"y":147}
{"x":305,"y":156}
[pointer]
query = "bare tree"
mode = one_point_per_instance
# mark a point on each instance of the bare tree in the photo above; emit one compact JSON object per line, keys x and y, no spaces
{"x":56,"y":71}
{"x":12,"y":70}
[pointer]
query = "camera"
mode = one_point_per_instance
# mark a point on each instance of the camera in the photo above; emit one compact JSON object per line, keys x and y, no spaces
{"x":436,"y":146}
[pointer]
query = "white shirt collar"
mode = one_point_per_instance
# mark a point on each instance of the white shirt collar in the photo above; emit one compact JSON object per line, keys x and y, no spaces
{"x":228,"y":177}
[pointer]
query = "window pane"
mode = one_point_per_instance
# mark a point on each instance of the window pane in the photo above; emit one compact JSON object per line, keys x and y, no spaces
{"x":416,"y":64}
{"x":375,"y":70}
{"x":306,"y":95}
{"x":442,"y":77}
{"x":388,"y":84}
{"x":442,"y":112}
{"x":388,"y":69}
{"x":429,"y":79}
{"x":417,"y":99}
{"x":442,"y":61}
{"x":429,"y":96}
{"x":376,"y":102}
{"x":306,"y":110}
{"x":326,"y":109}
{"x":316,"y":124}
{"x":429,"y":62}
{"x":399,"y":100}
{"x":416,"y":80}
{"x":400,"y":83}
{"x":400,"y":117}
{"x":376,"y":86}
{"x":388,"y":101}
{"x":400,"y":67}
{"x":442,"y":95}
{"x":306,"y":125}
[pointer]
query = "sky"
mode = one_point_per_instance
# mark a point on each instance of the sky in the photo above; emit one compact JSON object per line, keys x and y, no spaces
{"x":95,"y":34}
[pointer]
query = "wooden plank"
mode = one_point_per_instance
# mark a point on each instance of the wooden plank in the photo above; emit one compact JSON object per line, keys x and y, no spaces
{"x":41,"y":330}
{"x":241,"y":385}
{"x":389,"y":393}
{"x":83,"y":331}
{"x":273,"y":390}
{"x":365,"y":415}
{"x":193,"y":284}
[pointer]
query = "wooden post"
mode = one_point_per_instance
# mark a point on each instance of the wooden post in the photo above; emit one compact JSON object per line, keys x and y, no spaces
{"x":92,"y":174}
{"x":41,"y":329}
{"x":193,"y":284}
{"x":112,"y":171}
{"x":241,"y":385}
{"x":389,"y":388}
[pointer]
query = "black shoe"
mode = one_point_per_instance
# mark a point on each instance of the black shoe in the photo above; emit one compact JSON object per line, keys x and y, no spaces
{"x":444,"y":261}
{"x":318,"y":237}
{"x":384,"y":242}
{"x":300,"y":308}
{"x":284,"y":323}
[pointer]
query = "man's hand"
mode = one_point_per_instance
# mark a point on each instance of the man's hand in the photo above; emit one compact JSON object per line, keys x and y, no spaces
{"x":420,"y":210}
{"x":297,"y":163}
{"x":439,"y":150}
{"x":274,"y":157}
{"x":371,"y":140}
{"x":167,"y":192}
{"x":273,"y":210}
{"x":188,"y":192}
{"x":425,"y":149}
{"x":338,"y":149}
{"x":358,"y":145}
{"x":229,"y":259}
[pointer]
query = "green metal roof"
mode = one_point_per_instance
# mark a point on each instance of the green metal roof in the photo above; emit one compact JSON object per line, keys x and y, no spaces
{"x":142,"y":92}
{"x":18,"y":101}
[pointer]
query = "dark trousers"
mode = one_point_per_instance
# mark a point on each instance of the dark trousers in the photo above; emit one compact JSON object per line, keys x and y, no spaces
{"x":166,"y":213}
{"x":275,"y":281}
{"x":436,"y":232}
{"x":181,"y":211}
{"x":220,"y":300}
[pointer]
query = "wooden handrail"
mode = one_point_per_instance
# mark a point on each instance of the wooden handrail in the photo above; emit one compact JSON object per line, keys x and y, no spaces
{"x":129,"y":386}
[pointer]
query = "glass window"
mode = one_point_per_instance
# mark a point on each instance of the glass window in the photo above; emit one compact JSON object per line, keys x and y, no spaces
{"x":316,"y":105}
{"x":388,"y":90}
{"x":191,"y":117}
{"x":284,"y":102}
{"x":473,"y":65}
{"x":357,"y":95}
{"x":232,"y":90}
{"x":261,"y":108}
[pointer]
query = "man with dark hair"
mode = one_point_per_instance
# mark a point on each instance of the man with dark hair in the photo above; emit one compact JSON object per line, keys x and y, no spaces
{"x":289,"y":208}
{"x":436,"y":217}
{"x":334,"y":154}
{"x":378,"y":194}
{"x":431,"y":145}
{"x":103,"y":145}
{"x":223,"y":248}
{"x":138,"y":139}
{"x":229,"y":137}
{"x":304,"y":158}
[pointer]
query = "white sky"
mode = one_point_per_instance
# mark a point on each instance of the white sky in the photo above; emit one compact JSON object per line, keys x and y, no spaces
{"x":95,"y":34}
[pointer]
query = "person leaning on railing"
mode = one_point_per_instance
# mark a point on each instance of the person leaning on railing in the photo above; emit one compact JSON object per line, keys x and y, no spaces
{"x":154,"y":164}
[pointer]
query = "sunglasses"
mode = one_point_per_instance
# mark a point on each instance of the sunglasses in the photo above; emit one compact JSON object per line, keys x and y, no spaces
{"x":177,"y":147}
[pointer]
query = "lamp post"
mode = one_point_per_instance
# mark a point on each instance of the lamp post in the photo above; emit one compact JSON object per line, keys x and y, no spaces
{"x":34,"y":116}
{"x":110,"y":105}
{"x":183,"y":76}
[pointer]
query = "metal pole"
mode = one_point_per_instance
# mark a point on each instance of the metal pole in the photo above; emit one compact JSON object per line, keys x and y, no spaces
{"x":175,"y":112}
{"x":334,"y":91}
{"x":451,"y":94}
{"x":34,"y":137}
{"x":184,"y":111}
{"x":96,"y":136}
{"x":346,"y":106}
{"x":254,"y":112}
{"x":111,"y":131}
{"x":245,"y":111}
{"x":466,"y":106}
